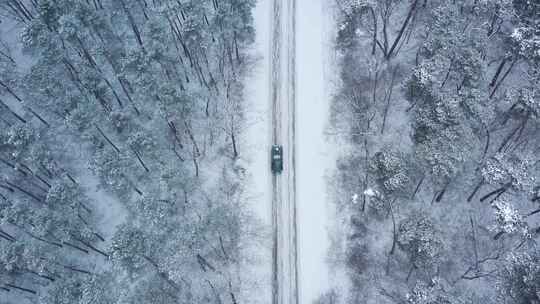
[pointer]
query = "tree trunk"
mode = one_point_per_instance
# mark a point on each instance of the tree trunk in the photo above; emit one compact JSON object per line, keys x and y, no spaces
{"x":126,"y":92}
{"x":476,"y":188}
{"x":388,"y":99}
{"x":413,"y":267}
{"x":497,"y":73}
{"x":174,"y":131}
{"x":12,"y":112}
{"x":141,"y":162}
{"x":403,"y":27}
{"x":447,"y":73}
{"x":118,"y":100}
{"x":494,"y":192}
{"x":418,"y":186}
{"x":134,"y":27}
{"x":236,"y":51}
{"x":75,"y":247}
{"x":10,"y":91}
{"x":77,"y":270}
{"x":233,"y":297}
{"x":223,"y":247}
{"x":394,"y":232}
{"x":441,"y":193}
{"x":93,"y":248}
{"x":488,"y":141}
{"x":35,"y":197}
{"x":162,"y":274}
{"x":498,"y":235}
{"x":503,"y":78}
{"x":192,"y":138}
{"x":375,"y":29}
{"x":6,"y":238}
{"x":534,"y":212}
{"x":20,"y":288}
{"x":215,"y":292}
{"x":38,"y":117}
{"x":233,"y":140}
{"x":196,"y":166}
{"x":204,"y":264}
{"x":508,"y":137}
{"x":107,"y":139}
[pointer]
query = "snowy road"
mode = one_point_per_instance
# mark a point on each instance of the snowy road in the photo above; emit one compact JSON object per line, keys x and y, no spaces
{"x":282,"y":68}
{"x":299,"y":106}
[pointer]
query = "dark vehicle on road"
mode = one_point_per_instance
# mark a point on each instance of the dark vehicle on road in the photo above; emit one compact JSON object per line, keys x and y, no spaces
{"x":277,"y":159}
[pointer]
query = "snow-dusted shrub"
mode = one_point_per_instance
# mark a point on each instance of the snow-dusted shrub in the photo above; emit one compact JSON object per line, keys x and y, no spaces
{"x":391,"y":171}
{"x":508,"y":219}
{"x":520,"y":279}
{"x":430,"y":293}
{"x":419,"y":239}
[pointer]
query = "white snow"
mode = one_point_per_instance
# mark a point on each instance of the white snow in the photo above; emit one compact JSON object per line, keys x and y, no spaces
{"x":109,"y":211}
{"x":370,"y":192}
{"x":255,"y":149}
{"x":257,"y":136}
{"x":354,"y":198}
{"x":314,"y":152}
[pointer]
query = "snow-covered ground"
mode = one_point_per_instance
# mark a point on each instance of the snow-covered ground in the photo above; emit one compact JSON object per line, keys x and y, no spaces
{"x":315,"y":155}
{"x":257,"y":140}
{"x":256,"y":143}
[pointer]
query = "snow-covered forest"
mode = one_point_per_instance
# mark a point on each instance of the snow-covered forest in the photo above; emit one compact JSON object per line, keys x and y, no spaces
{"x":122,"y":178}
{"x":135,"y":142}
{"x":438,"y":104}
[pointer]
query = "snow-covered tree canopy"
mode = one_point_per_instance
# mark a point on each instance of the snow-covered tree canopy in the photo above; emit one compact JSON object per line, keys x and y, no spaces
{"x":439,"y":104}
{"x":116,"y":118}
